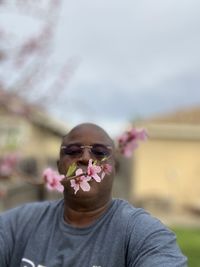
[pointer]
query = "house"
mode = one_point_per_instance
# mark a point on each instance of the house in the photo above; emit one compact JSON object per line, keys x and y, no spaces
{"x":31,"y":134}
{"x":28,"y":130}
{"x":166,"y":168}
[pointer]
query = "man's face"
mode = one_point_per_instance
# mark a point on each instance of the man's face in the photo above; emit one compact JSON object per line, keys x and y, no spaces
{"x":88,"y":135}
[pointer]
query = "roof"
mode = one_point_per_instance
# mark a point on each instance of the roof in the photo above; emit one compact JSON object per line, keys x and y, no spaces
{"x":184,"y":116}
{"x":16,"y":105}
{"x":181,"y":124}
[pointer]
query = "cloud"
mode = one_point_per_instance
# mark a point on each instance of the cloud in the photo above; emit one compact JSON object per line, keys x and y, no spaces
{"x":137,"y":58}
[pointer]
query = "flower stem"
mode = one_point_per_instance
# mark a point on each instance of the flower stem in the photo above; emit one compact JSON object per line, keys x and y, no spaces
{"x":66,"y":179}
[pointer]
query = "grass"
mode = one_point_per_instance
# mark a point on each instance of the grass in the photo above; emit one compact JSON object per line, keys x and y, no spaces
{"x":189,"y":242}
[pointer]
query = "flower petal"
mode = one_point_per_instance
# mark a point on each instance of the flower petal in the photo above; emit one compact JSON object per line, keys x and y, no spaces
{"x":87,"y":178}
{"x":85,"y":186}
{"x":79,"y":171}
{"x":96,"y":178}
{"x":90,"y":163}
{"x":59,"y":187}
{"x":72,"y":181}
{"x":74,"y":185}
{"x":103,"y":175}
{"x":97,"y":169}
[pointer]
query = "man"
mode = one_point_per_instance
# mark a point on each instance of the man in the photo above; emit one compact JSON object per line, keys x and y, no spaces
{"x":89,"y":228}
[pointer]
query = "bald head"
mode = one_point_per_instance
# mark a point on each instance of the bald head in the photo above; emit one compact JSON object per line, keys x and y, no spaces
{"x":89,"y":130}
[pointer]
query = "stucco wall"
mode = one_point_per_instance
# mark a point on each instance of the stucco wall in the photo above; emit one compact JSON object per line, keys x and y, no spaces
{"x":168,"y":169}
{"x":29,"y":140}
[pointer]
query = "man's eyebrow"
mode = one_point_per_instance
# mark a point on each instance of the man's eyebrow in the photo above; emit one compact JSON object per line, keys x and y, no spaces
{"x":71,"y":143}
{"x":82,"y":144}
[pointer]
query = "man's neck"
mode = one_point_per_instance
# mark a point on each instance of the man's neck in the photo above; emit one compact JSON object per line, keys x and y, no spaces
{"x":83,"y":217}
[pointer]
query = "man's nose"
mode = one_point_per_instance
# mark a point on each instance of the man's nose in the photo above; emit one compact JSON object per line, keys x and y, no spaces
{"x":85,"y":157}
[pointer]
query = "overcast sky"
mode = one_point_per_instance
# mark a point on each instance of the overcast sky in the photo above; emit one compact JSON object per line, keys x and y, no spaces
{"x":135,"y":58}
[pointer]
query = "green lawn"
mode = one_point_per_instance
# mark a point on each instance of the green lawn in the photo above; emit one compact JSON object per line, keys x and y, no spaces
{"x":189,"y":241}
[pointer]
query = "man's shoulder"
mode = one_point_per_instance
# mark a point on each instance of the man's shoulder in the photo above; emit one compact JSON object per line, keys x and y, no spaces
{"x":139,"y":221}
{"x":136,"y":218}
{"x":30,"y":210}
{"x":41,"y":205}
{"x":126,"y":209}
{"x":128,"y":214}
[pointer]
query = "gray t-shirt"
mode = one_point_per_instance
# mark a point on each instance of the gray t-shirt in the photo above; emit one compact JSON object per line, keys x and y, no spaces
{"x":36,"y":235}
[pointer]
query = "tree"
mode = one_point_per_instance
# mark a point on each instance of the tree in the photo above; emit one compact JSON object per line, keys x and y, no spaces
{"x":26,"y":50}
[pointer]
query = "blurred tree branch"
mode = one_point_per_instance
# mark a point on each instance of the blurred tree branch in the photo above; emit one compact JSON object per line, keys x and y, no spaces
{"x":26,"y":65}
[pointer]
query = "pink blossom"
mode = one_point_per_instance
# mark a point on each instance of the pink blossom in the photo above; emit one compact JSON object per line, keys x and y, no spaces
{"x":8,"y":164}
{"x":93,"y":171}
{"x":5,"y":169}
{"x":128,"y":141}
{"x":123,"y":138}
{"x":139,"y":134}
{"x":106,"y":169}
{"x":52,"y":179}
{"x":3,"y":192}
{"x":80,"y":182}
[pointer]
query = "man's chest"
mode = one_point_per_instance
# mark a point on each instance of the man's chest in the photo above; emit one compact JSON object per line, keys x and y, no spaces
{"x":62,"y":250}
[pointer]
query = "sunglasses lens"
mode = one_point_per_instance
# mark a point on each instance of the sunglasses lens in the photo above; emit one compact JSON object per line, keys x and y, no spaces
{"x":72,"y":150}
{"x":100,"y":151}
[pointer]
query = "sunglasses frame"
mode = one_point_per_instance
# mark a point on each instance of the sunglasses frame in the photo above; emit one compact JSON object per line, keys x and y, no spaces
{"x":90,"y":147}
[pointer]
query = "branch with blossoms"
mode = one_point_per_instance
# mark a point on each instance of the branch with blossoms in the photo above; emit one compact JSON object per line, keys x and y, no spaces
{"x":26,"y":51}
{"x":129,"y":141}
{"x":78,"y":178}
{"x":96,"y":170}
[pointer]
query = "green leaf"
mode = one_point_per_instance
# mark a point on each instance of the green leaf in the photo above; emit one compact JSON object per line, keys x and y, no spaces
{"x":103,"y":159}
{"x":71,"y":169}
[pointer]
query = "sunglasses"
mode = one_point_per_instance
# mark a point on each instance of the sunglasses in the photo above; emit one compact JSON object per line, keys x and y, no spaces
{"x":97,"y":150}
